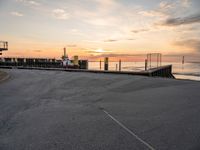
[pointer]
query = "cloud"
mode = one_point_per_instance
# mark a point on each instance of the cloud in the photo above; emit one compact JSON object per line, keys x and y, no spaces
{"x":33,"y":3}
{"x":151,"y":13}
{"x":110,"y":40}
{"x":185,"y":3}
{"x":97,"y":20}
{"x":18,"y":14}
{"x":164,"y":9}
{"x":182,"y":21}
{"x":165,"y":6}
{"x":140,"y":30}
{"x":71,"y":45}
{"x":130,"y":39}
{"x":38,"y":51}
{"x":114,"y":40}
{"x":97,"y":52}
{"x":106,"y":14}
{"x":60,"y":14}
{"x":190,"y":43}
{"x":118,"y":55}
{"x":29,"y":2}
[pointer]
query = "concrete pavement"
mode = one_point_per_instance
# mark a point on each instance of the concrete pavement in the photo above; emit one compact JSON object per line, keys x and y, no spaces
{"x":64,"y":110}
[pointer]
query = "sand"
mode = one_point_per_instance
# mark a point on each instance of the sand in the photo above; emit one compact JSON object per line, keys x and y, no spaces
{"x":49,"y":110}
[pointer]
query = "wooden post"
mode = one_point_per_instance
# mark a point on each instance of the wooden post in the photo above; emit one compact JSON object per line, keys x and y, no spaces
{"x":120,"y":65}
{"x":183,"y":60}
{"x":106,"y":63}
{"x":150,"y":60}
{"x":160,"y":59}
{"x":116,"y":67}
{"x":157,"y":59}
{"x":145,"y":64}
{"x":100,"y":64}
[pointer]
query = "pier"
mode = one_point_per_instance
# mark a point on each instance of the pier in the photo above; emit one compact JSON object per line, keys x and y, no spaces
{"x":82,"y":66}
{"x":164,"y":71}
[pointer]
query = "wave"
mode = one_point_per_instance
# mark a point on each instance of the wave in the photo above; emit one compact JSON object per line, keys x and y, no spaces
{"x":194,"y":62}
{"x":187,"y":74}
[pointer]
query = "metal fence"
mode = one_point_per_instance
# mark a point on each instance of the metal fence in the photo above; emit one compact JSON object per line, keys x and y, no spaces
{"x":154,"y":60}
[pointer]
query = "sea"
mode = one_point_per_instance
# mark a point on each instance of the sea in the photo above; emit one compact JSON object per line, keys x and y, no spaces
{"x":189,"y":71}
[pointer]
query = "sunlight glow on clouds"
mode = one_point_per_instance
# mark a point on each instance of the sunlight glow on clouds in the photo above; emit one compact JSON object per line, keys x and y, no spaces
{"x":126,"y":26}
{"x":15,"y":13}
{"x":60,"y":14}
{"x":29,"y":2}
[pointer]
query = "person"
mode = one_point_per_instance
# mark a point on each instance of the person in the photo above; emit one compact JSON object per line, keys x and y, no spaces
{"x":64,"y":63}
{"x":67,"y":63}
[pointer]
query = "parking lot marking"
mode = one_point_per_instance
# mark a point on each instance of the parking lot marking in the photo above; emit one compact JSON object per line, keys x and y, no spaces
{"x":128,"y":130}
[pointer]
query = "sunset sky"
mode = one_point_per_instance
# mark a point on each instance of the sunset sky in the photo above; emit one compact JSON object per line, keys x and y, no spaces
{"x":93,"y":28}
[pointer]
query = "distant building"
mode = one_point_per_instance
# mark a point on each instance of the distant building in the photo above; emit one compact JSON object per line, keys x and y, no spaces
{"x":3,"y":46}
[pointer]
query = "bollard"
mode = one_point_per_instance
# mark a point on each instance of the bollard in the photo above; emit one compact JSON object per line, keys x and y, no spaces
{"x":120,"y":65}
{"x":116,"y":67}
{"x":106,"y":63}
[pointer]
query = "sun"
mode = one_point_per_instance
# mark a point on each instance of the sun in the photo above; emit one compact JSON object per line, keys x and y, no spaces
{"x":99,"y":50}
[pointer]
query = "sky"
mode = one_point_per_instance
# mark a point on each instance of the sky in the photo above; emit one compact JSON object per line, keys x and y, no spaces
{"x":98,"y":28}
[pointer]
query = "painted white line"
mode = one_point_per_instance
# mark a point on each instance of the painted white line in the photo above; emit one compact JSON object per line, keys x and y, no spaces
{"x":128,"y":130}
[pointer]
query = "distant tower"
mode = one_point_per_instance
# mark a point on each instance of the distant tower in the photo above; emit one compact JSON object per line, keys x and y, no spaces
{"x":64,"y":52}
{"x":64,"y":57}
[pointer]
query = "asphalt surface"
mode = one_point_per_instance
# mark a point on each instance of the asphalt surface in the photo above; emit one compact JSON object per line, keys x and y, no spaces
{"x":52,"y":110}
{"x":3,"y":76}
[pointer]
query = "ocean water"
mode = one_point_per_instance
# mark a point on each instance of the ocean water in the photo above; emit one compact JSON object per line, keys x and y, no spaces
{"x":189,"y":71}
